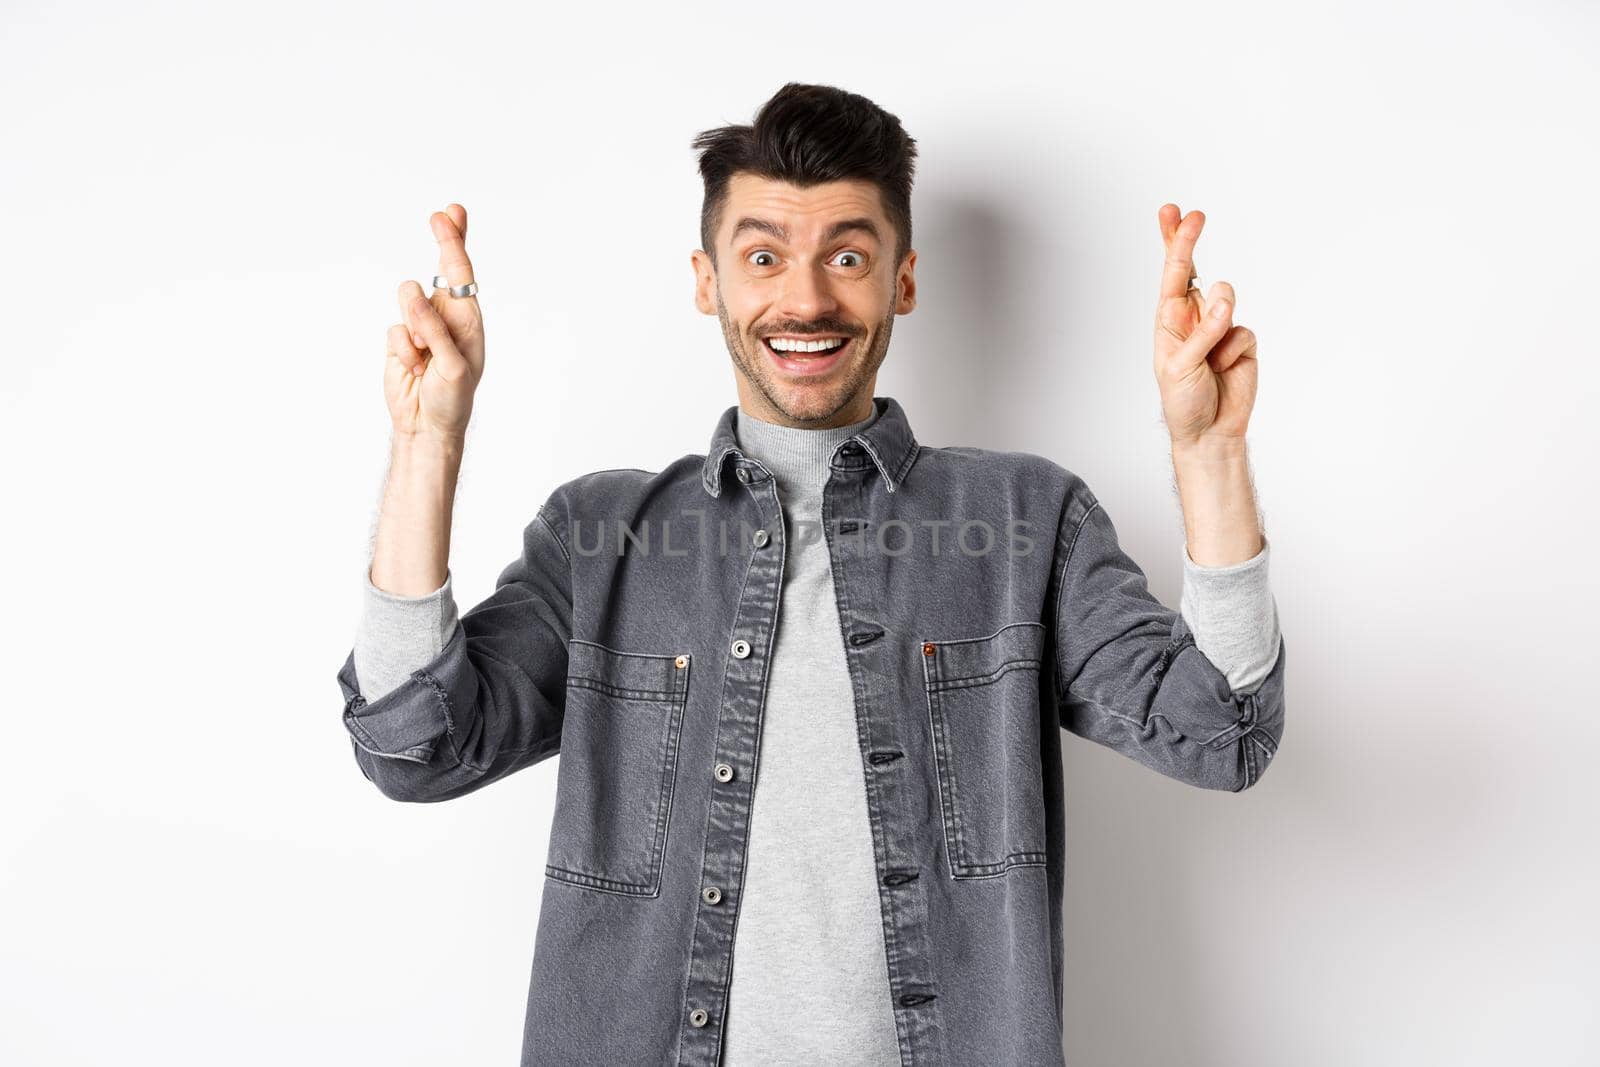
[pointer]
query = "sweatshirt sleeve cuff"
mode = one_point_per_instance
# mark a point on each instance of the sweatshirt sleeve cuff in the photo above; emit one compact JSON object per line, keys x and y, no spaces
{"x":398,"y":634}
{"x":1234,"y":616}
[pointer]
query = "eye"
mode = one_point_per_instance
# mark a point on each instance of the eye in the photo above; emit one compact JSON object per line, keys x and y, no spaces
{"x":858,"y":257}
{"x":771,"y":259}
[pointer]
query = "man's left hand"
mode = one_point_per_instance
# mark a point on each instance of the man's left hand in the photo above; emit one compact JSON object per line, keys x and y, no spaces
{"x":1204,"y":364}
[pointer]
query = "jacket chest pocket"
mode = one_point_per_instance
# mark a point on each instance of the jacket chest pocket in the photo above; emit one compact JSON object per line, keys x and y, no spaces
{"x":618,"y":767}
{"x":983,"y":706}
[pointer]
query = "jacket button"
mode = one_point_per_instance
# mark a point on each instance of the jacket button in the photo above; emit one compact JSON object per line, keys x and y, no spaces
{"x":740,"y":649}
{"x":698,"y":1017}
{"x":927,"y":648}
{"x":724,"y":772}
{"x":682,"y":662}
{"x":711,"y":894}
{"x":744,"y":475}
{"x":761,"y":538}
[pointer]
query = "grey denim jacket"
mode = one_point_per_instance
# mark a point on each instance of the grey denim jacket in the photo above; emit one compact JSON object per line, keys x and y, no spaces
{"x":985,"y":605}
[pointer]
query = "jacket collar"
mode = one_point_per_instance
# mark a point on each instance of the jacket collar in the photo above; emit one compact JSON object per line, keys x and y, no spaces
{"x":888,"y":441}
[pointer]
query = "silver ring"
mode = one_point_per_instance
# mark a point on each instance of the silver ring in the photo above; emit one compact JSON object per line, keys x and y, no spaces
{"x":441,"y":282}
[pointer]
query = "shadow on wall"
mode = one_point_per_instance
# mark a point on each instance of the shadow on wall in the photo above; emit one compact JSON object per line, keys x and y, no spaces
{"x":955,"y":362}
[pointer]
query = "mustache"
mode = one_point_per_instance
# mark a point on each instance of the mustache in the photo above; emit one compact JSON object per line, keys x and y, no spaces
{"x":814,"y":329}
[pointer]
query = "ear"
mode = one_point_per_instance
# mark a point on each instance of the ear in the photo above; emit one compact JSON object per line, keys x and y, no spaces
{"x":705,"y":282}
{"x":906,"y":284}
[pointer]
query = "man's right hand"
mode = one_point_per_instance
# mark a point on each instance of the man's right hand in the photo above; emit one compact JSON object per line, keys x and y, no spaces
{"x":435,"y":356}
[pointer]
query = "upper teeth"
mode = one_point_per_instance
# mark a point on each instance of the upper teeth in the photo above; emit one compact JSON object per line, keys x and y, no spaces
{"x":783,"y":344}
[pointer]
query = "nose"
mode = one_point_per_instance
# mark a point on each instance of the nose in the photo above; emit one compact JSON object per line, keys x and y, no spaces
{"x":807,"y":294}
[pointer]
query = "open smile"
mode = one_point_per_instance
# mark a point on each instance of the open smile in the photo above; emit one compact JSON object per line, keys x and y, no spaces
{"x":803,"y":362}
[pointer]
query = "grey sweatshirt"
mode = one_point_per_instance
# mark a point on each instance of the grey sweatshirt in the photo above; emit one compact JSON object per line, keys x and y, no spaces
{"x":809,"y":941}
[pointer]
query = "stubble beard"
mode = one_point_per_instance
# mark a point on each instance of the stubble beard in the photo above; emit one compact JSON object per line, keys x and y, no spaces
{"x":811,"y":405}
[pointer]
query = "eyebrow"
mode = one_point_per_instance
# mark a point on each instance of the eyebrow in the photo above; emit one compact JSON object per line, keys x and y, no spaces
{"x":771,"y":228}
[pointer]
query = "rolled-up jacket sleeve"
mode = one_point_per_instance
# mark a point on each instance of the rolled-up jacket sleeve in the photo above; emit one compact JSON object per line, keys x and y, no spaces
{"x":491,"y":701}
{"x":1129,"y":674}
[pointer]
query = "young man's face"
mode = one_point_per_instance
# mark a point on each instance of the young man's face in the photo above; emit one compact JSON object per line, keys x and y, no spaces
{"x":803,"y":264}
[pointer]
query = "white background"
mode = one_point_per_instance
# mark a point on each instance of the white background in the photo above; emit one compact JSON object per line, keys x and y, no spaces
{"x":208,"y":209}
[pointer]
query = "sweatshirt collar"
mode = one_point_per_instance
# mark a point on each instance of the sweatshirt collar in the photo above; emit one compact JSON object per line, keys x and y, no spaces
{"x":886,"y":443}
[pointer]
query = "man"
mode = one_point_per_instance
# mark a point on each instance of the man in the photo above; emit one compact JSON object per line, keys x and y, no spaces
{"x":887,"y":637}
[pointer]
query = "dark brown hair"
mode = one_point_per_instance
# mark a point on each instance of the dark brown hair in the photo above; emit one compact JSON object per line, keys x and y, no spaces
{"x":806,"y":135}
